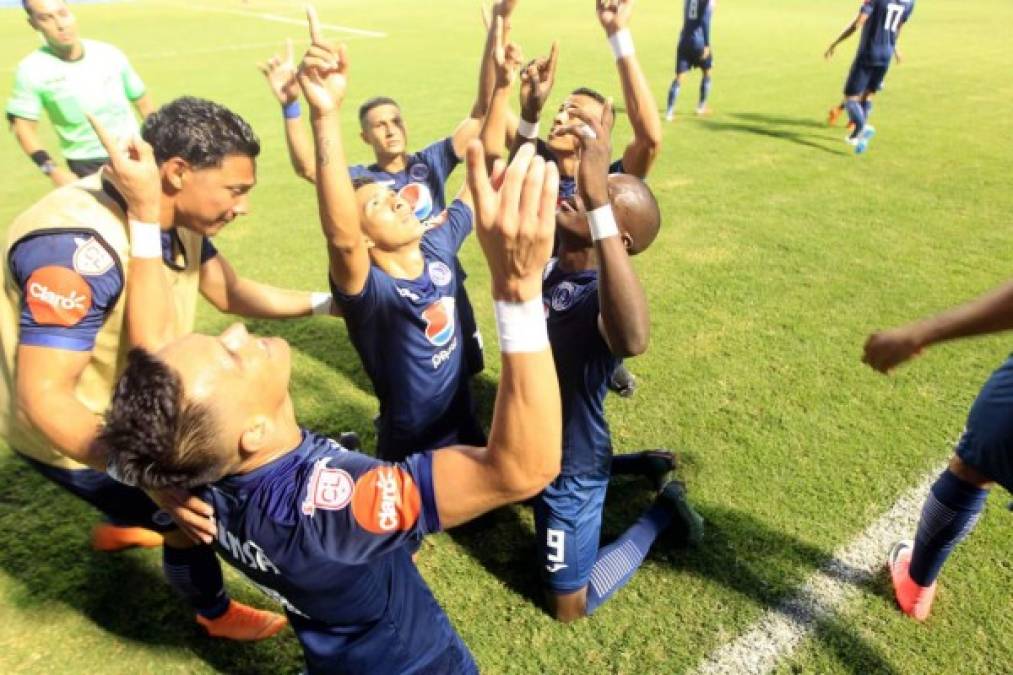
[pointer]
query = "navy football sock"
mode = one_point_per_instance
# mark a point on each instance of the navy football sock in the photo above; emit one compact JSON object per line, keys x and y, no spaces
{"x":856,"y":115}
{"x":950,"y":513}
{"x":705,"y":90}
{"x":673,"y":94}
{"x":867,"y":109}
{"x":196,"y":575}
{"x":619,"y":560}
{"x":641,"y":463}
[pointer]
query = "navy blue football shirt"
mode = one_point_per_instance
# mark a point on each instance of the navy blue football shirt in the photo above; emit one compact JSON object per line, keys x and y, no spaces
{"x":422,"y":181}
{"x":879,"y":34}
{"x":696,"y":24}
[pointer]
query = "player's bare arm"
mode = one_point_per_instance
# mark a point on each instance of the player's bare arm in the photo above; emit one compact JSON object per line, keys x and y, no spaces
{"x":990,"y":313}
{"x":27,"y":134}
{"x":323,"y":77}
{"x":507,"y":58}
{"x":515,"y":217}
{"x":641,"y":108}
{"x":848,"y":31}
{"x":280,"y":73}
{"x":233,"y":294}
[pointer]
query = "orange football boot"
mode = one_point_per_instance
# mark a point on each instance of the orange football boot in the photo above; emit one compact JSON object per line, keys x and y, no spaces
{"x":834,"y":115}
{"x":243,"y":623}
{"x":914,"y":600}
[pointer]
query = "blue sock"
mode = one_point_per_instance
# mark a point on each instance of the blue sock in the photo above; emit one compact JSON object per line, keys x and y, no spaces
{"x":632,"y":463}
{"x":195,"y":574}
{"x":673,"y":94}
{"x":867,"y":109}
{"x":705,"y":90}
{"x":618,"y":561}
{"x":856,"y":115}
{"x":950,"y":513}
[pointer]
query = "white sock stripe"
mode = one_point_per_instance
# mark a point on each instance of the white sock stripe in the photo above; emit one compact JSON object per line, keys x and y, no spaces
{"x":610,"y":569}
{"x":936,"y":516}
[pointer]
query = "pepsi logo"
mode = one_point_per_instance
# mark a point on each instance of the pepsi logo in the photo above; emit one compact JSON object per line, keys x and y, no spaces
{"x":419,"y":197}
{"x":439,"y":318}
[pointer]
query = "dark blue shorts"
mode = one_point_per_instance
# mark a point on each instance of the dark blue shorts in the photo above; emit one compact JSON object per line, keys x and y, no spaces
{"x":568,"y":526}
{"x":687,"y":57}
{"x":987,"y":442}
{"x":864,"y":78}
{"x":122,"y":504}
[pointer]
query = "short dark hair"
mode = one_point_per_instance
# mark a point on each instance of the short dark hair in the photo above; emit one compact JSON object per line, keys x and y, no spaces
{"x":587,"y":91}
{"x":155,"y":438}
{"x":199,"y":131}
{"x":361,"y":181}
{"x":373,"y":103}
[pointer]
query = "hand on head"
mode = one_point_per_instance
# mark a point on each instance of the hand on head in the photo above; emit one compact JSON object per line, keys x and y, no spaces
{"x":593,"y":138}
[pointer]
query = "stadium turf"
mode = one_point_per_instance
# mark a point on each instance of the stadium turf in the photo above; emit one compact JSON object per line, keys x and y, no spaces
{"x":780,"y":251}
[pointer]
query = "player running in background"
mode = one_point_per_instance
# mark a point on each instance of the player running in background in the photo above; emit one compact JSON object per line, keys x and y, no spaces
{"x":321,"y":529}
{"x":881,"y":22}
{"x":69,"y":77}
{"x":694,"y":51}
{"x":66,"y":323}
{"x":983,"y":455}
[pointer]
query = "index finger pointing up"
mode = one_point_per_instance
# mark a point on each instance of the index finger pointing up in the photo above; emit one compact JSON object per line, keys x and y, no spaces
{"x":314,"y":22}
{"x":108,"y":142}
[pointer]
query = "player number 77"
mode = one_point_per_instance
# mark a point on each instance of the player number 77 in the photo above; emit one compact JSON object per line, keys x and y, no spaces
{"x":893,"y":14}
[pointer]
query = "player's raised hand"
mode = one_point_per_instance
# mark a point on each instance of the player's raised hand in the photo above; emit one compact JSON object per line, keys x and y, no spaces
{"x":280,"y":72}
{"x":537,"y":78}
{"x":507,"y":56}
{"x":885,"y":350}
{"x":614,"y":15}
{"x":323,"y":73}
{"x":134,"y":172}
{"x":593,"y":136}
{"x":504,"y":8}
{"x":514,"y":219}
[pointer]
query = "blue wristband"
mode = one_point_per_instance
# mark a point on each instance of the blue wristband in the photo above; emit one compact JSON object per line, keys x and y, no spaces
{"x":292,"y":111}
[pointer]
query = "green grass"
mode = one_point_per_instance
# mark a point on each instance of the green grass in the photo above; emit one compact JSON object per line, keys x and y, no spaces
{"x":780,"y":252}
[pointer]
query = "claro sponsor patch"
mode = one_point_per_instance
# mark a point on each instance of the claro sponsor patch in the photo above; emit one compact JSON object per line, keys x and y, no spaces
{"x":57,"y":296}
{"x":386,"y":500}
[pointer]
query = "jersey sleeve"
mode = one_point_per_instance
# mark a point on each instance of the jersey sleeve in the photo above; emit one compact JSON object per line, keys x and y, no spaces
{"x":908,"y":12}
{"x":587,"y":309}
{"x":207,"y":250}
{"x":69,"y":282}
{"x":440,"y":158}
{"x":446,"y":238}
{"x":867,"y":7}
{"x":24,"y":101}
{"x":358,"y":508}
{"x":133,"y":85}
{"x":363,"y":305}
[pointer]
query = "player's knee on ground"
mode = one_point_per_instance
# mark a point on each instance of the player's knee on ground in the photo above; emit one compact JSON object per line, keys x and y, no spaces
{"x":568,"y":607}
{"x":969,"y":474}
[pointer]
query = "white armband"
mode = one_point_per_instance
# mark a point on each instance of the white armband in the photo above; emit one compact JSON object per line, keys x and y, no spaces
{"x":602,"y":222}
{"x":321,"y":303}
{"x":621,"y":43}
{"x":528,"y":130}
{"x":145,"y":239}
{"x":521,"y":326}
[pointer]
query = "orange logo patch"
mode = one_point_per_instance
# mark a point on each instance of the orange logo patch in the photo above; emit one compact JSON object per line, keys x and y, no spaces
{"x":57,"y":296}
{"x":385,"y":500}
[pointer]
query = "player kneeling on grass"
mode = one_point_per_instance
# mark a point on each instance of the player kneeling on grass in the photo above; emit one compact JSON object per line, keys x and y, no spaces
{"x":597,"y":313}
{"x":984,"y":453}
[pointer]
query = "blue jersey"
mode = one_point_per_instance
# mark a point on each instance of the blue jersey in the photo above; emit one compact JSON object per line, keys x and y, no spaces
{"x":568,"y":184}
{"x":407,"y":332}
{"x":323,"y":531}
{"x":69,"y":283}
{"x":421,"y":183}
{"x":584,"y":364}
{"x":696,"y":24}
{"x":879,"y":34}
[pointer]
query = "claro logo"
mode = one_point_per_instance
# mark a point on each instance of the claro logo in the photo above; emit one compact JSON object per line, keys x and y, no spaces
{"x":57,"y":296}
{"x":386,"y":500}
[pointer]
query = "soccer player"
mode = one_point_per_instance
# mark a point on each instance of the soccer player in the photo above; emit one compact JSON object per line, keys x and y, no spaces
{"x":694,"y":51}
{"x":322,"y":529}
{"x":983,"y":455}
{"x":66,"y":323}
{"x":880,"y":21}
{"x":597,"y":313}
{"x":537,"y":79}
{"x":69,"y":77}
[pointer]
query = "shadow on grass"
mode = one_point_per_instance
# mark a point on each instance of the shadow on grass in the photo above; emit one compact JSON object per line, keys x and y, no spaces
{"x":773,"y":126}
{"x":47,"y":556}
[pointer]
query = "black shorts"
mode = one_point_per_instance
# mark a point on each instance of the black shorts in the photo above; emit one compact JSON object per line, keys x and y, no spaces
{"x":864,"y":79}
{"x":86,"y":167}
{"x":987,"y":441}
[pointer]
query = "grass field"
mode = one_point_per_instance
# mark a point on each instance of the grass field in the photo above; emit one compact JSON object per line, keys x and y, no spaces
{"x":780,"y":251}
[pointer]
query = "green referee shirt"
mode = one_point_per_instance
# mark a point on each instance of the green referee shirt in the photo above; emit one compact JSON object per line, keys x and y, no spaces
{"x":101,"y":82}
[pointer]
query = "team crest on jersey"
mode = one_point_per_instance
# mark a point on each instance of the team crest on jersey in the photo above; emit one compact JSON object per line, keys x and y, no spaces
{"x":328,"y":489}
{"x":57,"y":296}
{"x":562,"y":296}
{"x":91,"y":258}
{"x":418,"y":172}
{"x":440,"y":273}
{"x":419,"y":197}
{"x":439,"y":318}
{"x":386,"y":499}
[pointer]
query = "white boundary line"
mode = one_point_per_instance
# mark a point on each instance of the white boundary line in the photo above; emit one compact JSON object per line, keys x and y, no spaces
{"x":284,"y":19}
{"x":777,"y":633}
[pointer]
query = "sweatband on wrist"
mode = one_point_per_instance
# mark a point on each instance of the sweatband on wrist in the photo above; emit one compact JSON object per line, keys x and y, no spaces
{"x":292,"y":110}
{"x":145,"y":239}
{"x":521,"y":326}
{"x":41,"y":157}
{"x":602,"y":222}
{"x":621,"y":43}
{"x":526,"y":129}
{"x":321,"y":303}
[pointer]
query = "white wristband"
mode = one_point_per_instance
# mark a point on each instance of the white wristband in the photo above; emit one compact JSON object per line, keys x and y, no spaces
{"x":602,"y":222}
{"x":321,"y":303}
{"x":521,"y":326}
{"x":528,"y":130}
{"x":621,"y":43}
{"x":145,"y":239}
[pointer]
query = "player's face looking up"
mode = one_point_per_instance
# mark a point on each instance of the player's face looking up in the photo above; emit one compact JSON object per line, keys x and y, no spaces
{"x":209,"y":198}
{"x":388,"y":220}
{"x":55,"y":21}
{"x":383,"y":130}
{"x":586,"y":103}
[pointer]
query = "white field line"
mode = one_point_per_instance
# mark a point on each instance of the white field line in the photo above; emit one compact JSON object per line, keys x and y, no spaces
{"x":265,"y":16}
{"x":777,"y":633}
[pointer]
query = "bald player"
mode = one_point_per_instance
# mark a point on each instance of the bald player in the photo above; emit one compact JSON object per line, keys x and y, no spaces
{"x":597,"y":314}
